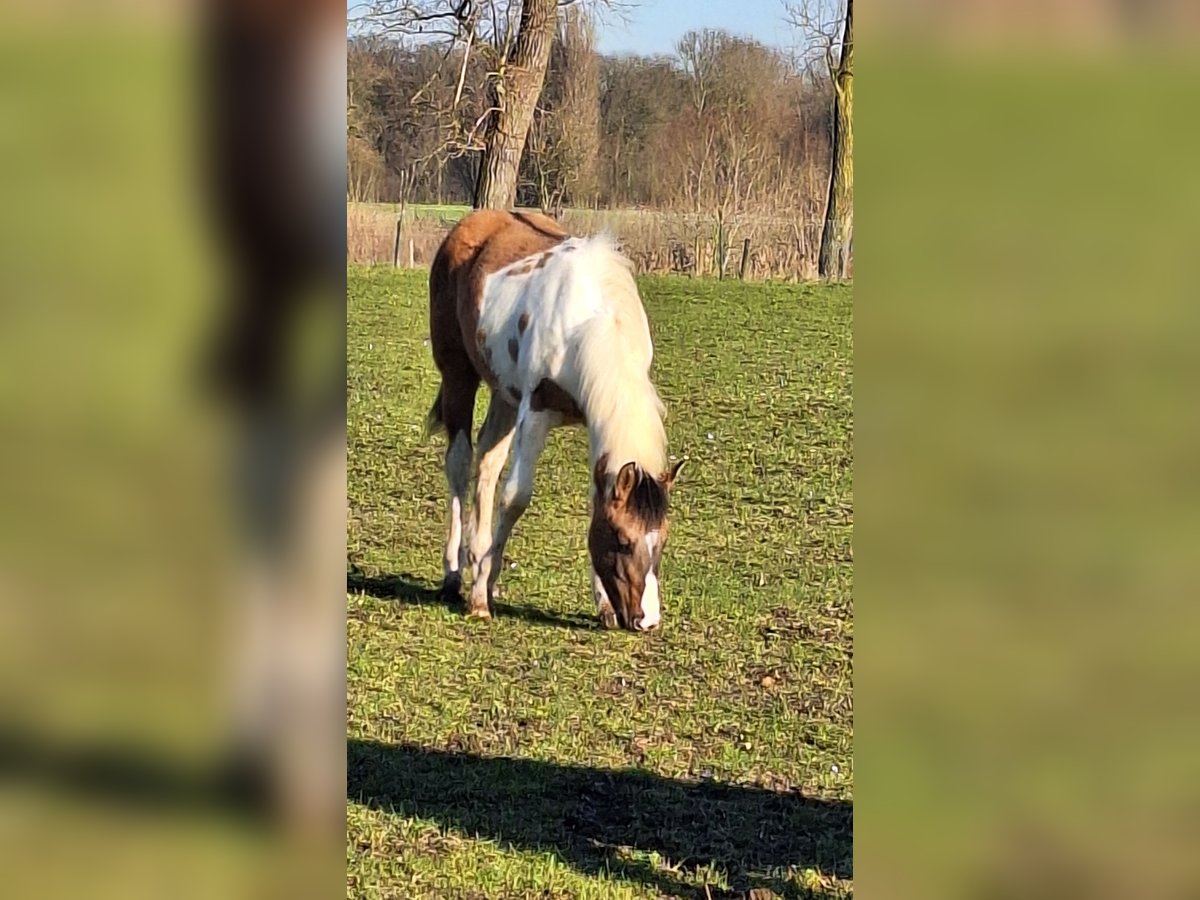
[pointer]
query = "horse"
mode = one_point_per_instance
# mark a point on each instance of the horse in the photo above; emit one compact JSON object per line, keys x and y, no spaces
{"x":554,"y":325}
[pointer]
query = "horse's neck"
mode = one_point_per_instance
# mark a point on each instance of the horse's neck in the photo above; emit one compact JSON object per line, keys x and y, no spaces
{"x":612,"y":358}
{"x":631,"y":434}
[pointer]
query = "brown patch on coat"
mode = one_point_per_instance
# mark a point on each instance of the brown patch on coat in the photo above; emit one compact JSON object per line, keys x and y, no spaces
{"x":542,"y":260}
{"x":549,"y":396}
{"x":514,"y":348}
{"x":524,"y":269}
{"x":482,"y":242}
{"x":523,"y":323}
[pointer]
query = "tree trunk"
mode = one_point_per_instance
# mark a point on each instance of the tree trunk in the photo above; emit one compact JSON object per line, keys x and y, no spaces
{"x":838,"y":233}
{"x":518,"y":87}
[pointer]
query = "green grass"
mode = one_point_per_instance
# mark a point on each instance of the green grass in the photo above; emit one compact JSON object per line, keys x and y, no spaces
{"x":447,"y":211}
{"x":536,"y":755}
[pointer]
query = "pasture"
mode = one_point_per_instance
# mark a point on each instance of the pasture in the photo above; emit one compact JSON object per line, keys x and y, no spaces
{"x":536,"y":755}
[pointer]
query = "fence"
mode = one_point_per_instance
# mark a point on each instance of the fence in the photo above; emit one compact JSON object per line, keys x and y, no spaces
{"x":657,"y":241}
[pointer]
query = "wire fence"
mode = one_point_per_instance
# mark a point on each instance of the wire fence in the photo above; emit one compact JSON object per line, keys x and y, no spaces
{"x":749,"y":246}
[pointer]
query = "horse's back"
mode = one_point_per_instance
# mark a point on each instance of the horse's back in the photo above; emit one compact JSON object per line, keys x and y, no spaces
{"x":482,"y":242}
{"x":491,"y":239}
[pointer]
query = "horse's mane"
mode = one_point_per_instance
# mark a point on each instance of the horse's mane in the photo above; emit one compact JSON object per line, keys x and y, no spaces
{"x":614,"y":352}
{"x":649,"y":501}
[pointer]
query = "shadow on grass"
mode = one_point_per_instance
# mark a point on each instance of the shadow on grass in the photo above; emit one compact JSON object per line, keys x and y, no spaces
{"x":585,"y":815}
{"x":136,"y":777}
{"x":413,"y":591}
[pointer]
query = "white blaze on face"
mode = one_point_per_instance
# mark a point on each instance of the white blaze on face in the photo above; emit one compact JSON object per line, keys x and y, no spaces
{"x":651,"y":610}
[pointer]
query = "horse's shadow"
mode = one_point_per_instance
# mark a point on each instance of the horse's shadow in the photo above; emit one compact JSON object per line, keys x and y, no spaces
{"x":408,"y":589}
{"x":589,"y":818}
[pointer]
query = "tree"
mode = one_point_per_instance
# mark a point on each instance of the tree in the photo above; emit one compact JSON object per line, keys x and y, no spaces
{"x":516,"y":48}
{"x":516,"y":87}
{"x":837,"y":234}
{"x":563,"y":148}
{"x":638,"y":96}
{"x":725,"y":129}
{"x":733,"y":122}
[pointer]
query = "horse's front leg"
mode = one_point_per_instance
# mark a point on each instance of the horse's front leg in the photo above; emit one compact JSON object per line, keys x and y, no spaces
{"x":532,"y":430}
{"x":604,"y":607}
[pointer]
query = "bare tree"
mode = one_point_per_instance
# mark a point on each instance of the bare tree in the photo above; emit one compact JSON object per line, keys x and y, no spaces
{"x":730,"y":133}
{"x":733,"y":126}
{"x":563,"y":148}
{"x":517,"y":86}
{"x":399,"y":118}
{"x":832,"y":36}
{"x":364,"y":166}
{"x":639,"y":97}
{"x":515,"y":39}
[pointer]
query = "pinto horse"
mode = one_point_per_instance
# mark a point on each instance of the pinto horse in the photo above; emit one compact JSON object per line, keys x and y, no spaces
{"x":555,"y":327}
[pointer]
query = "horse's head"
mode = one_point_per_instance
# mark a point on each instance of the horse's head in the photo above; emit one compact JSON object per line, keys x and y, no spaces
{"x":626,"y":540}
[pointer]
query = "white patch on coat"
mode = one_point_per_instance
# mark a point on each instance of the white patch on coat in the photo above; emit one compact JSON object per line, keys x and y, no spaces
{"x":458,"y":472}
{"x":582,"y":306}
{"x":454,"y":540}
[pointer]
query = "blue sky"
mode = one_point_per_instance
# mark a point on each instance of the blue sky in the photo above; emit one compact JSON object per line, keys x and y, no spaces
{"x":654,"y":26}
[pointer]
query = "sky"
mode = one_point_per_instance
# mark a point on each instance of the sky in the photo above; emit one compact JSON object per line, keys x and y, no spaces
{"x":654,"y":26}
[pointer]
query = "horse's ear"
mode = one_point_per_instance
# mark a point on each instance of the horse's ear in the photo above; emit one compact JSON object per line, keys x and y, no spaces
{"x":667,"y":479}
{"x":627,"y":480}
{"x":600,"y":476}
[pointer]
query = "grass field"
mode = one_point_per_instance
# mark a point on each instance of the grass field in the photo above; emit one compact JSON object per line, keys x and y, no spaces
{"x":539,"y":756}
{"x":452,"y":211}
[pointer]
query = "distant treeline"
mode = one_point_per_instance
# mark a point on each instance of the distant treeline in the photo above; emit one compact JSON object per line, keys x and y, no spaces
{"x":725,"y":126}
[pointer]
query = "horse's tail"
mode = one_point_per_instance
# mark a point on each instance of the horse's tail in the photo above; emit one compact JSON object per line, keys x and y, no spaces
{"x":433,"y":420}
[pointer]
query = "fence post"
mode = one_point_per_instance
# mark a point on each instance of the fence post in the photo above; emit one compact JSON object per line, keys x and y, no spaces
{"x":720,"y":250}
{"x":411,"y":263}
{"x":396,"y":248}
{"x":745,"y":259}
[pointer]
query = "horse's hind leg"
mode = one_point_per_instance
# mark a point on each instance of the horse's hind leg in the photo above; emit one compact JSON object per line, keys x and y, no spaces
{"x":458,"y":407}
{"x":495,"y":437}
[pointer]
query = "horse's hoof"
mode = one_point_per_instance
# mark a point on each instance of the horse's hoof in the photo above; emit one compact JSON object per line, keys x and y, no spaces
{"x":608,"y":619}
{"x":478,"y":612}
